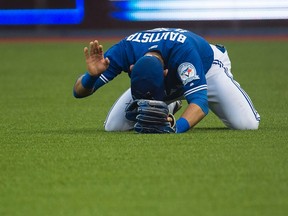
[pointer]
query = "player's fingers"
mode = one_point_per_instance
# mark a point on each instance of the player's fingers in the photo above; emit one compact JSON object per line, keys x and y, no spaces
{"x":96,"y":47}
{"x":131,"y":67}
{"x":100,"y":51}
{"x":165,"y":72}
{"x":107,"y":61}
{"x":169,"y":119}
{"x":91,"y":48}
{"x":86,"y":52}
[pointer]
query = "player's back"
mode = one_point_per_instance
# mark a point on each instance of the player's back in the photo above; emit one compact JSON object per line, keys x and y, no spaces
{"x":170,"y":42}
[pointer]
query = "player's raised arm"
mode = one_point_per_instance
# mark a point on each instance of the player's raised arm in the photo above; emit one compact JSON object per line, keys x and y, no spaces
{"x":95,"y":61}
{"x":96,"y":65}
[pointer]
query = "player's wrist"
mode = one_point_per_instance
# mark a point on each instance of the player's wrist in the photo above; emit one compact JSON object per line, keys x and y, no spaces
{"x":182,"y":125}
{"x":88,"y":80}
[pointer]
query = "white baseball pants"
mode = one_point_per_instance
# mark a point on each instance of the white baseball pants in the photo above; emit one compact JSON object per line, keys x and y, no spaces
{"x":226,"y":99}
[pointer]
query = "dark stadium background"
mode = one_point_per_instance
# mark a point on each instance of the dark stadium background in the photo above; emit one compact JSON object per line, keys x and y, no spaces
{"x":98,"y":21}
{"x":57,"y":159}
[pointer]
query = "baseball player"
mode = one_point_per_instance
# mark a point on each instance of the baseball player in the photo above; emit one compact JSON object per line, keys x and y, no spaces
{"x":169,"y":64}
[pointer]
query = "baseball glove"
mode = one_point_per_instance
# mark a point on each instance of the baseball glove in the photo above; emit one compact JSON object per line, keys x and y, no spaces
{"x":151,"y":116}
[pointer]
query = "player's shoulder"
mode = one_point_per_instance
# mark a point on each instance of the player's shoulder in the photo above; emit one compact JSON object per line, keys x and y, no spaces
{"x":179,"y":30}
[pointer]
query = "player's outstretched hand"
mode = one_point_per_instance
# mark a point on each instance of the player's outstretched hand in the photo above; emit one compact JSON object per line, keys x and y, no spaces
{"x":96,"y":63}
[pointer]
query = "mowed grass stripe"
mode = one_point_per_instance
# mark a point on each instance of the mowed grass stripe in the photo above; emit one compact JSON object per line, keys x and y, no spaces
{"x":56,"y":158}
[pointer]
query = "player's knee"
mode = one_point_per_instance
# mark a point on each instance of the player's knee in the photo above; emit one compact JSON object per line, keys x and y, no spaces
{"x":118,"y":126}
{"x":251,"y":125}
{"x":245,"y":124}
{"x":109,"y":126}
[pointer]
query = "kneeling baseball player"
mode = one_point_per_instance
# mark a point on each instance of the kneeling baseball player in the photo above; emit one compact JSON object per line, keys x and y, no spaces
{"x":166,"y":66}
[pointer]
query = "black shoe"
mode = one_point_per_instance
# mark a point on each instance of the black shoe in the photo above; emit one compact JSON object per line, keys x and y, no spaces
{"x":178,"y":106}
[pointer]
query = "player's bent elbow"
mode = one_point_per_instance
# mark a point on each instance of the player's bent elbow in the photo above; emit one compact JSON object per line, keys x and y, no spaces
{"x":76,"y":95}
{"x":81,"y":95}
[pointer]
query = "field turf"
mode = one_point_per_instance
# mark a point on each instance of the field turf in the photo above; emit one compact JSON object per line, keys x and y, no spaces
{"x":56,"y":158}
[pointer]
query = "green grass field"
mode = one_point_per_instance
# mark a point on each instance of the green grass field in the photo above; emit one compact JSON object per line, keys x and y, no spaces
{"x":56,"y":158}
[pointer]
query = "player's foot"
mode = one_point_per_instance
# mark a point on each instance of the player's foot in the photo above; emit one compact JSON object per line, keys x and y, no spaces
{"x":178,"y":106}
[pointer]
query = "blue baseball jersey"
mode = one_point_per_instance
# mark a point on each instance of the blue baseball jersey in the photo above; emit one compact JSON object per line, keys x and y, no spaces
{"x":186,"y":55}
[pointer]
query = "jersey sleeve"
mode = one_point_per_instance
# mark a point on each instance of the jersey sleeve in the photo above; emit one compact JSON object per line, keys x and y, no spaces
{"x":192,"y":76}
{"x":116,"y":66}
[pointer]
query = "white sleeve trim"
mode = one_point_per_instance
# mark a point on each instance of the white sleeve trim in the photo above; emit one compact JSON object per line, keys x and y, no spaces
{"x":103,"y":78}
{"x":198,"y":88}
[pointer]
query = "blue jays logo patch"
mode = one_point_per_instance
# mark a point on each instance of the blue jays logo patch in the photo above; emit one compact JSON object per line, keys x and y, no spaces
{"x":187,"y":72}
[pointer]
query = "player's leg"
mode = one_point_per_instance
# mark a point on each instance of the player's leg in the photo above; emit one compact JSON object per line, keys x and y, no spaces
{"x":226,"y":97}
{"x":116,"y":120}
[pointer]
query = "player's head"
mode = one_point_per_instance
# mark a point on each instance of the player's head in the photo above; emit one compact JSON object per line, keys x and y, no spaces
{"x":147,"y":79}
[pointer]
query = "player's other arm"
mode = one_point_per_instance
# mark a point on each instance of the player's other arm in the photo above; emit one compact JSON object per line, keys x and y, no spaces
{"x":194,"y":113}
{"x":96,"y":65}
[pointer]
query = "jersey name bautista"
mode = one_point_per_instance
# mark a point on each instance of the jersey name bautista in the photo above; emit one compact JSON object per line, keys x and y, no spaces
{"x":148,"y":37}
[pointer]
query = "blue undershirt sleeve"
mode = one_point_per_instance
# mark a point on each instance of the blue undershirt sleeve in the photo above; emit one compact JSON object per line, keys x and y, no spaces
{"x":200,"y":98}
{"x":99,"y":82}
{"x":88,"y":81}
